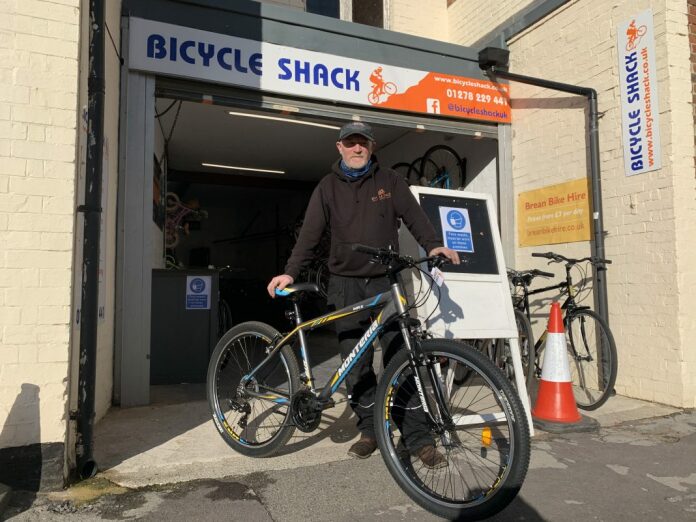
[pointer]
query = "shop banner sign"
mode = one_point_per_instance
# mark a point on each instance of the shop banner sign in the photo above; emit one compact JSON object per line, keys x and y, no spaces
{"x":198,"y":292}
{"x":185,"y":52}
{"x":554,"y":214}
{"x":639,"y":100}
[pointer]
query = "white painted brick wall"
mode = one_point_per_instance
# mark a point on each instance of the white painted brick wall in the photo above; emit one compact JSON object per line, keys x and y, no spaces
{"x":38,"y":115}
{"x":426,"y":18}
{"x":468,"y":21}
{"x":650,"y":218}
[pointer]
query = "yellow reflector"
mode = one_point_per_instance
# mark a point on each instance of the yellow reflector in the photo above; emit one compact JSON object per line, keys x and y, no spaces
{"x":486,"y":436}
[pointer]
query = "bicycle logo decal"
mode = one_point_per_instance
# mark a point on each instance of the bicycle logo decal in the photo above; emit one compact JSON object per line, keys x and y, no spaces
{"x":380,"y":87}
{"x":634,"y":35}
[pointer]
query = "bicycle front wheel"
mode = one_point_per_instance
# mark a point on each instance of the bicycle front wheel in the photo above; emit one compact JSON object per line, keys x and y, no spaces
{"x":251,"y":425}
{"x":478,"y":429}
{"x":593,"y":358}
{"x":442,"y":167}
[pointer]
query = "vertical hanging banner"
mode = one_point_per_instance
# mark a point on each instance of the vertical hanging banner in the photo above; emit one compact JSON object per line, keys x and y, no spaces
{"x":639,"y":100}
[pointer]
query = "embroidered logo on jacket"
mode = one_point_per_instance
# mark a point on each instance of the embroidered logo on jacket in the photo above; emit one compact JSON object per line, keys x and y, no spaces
{"x":381,"y":194}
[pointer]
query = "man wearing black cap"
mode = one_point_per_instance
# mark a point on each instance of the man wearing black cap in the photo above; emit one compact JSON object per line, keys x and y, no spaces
{"x":360,"y":202}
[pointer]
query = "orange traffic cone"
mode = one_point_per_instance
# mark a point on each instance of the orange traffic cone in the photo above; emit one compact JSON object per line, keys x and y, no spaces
{"x":555,"y":408}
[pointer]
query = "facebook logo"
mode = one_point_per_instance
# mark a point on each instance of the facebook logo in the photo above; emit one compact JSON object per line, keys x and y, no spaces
{"x":432,"y":105}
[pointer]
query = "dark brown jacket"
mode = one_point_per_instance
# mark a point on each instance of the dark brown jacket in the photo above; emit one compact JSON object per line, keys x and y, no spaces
{"x":365,"y":210}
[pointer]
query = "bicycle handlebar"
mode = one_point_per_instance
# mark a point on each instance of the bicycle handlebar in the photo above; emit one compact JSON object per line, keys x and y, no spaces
{"x":526,"y":276}
{"x":558,"y":258}
{"x":385,"y":256}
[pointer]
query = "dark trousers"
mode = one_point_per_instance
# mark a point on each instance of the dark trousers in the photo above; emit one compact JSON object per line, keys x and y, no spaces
{"x":362,"y":381}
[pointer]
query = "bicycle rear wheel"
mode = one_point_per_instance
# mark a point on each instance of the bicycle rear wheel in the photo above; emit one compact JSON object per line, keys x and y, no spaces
{"x":402,"y":169}
{"x":409,"y":171}
{"x":441,"y":166}
{"x":593,"y":358}
{"x":484,"y":437}
{"x":250,"y":425}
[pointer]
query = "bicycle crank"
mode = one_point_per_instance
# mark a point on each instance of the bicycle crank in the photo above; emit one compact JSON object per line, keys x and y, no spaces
{"x":306,"y":411}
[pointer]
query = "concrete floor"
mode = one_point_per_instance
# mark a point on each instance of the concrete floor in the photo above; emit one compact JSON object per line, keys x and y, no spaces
{"x":174,"y":440}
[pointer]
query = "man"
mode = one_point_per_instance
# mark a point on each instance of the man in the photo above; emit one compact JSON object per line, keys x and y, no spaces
{"x":361,"y":202}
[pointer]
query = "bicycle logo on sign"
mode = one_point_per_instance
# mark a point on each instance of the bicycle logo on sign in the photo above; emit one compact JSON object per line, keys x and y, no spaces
{"x":634,"y":34}
{"x":379,"y":87}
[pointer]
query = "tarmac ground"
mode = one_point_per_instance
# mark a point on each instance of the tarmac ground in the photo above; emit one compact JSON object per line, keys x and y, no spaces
{"x":167,"y":462}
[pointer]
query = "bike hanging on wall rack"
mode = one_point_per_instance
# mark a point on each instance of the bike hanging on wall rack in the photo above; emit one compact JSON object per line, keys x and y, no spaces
{"x":439,"y":167}
{"x":409,"y":171}
{"x":177,"y":217}
{"x":258,"y":397}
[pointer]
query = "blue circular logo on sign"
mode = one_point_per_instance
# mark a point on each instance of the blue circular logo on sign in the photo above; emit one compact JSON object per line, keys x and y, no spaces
{"x":456,"y":219}
{"x":197,"y":285}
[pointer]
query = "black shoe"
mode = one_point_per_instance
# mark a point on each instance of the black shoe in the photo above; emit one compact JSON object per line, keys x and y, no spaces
{"x":362,"y":449}
{"x":431,"y":457}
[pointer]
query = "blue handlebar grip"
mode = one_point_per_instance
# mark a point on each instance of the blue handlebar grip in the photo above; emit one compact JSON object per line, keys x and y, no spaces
{"x":281,"y":292}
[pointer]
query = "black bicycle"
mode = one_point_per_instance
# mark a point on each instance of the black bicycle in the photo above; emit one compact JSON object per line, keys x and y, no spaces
{"x":409,"y":171}
{"x":439,"y":167}
{"x":258,"y":398}
{"x":442,"y":167}
{"x":591,"y":346}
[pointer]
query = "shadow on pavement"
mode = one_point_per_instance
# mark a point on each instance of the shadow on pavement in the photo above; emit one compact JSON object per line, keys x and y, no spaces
{"x":21,"y":467}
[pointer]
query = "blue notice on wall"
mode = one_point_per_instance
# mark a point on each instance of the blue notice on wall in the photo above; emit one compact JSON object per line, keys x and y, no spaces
{"x":198,"y":293}
{"x":456,"y":229}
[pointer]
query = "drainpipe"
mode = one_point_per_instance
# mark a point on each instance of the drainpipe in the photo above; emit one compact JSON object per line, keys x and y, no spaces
{"x":494,"y":62}
{"x":86,"y":466}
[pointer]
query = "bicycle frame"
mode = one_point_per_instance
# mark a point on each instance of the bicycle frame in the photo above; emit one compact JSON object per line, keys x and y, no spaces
{"x":443,"y":176}
{"x":393,"y":307}
{"x":568,"y":304}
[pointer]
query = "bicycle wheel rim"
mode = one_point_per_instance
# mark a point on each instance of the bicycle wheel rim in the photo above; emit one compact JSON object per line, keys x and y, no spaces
{"x":402,"y":169}
{"x":441,"y":163}
{"x":478,"y":461}
{"x":592,"y":359}
{"x":259,"y":423}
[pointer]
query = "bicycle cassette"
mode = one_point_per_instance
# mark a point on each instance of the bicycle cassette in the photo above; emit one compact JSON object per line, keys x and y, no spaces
{"x":306,"y":411}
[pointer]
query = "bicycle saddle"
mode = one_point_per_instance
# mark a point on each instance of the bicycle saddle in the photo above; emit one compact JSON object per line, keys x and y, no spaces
{"x":299,"y":287}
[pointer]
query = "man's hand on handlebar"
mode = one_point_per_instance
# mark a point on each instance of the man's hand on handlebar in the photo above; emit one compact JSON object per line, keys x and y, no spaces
{"x":279,"y":282}
{"x":451,"y":255}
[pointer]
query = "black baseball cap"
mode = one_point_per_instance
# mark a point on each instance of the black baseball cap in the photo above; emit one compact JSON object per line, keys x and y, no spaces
{"x":356,"y":127}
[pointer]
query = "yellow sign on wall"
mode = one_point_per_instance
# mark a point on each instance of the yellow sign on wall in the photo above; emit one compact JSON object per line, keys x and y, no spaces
{"x":555,"y":214}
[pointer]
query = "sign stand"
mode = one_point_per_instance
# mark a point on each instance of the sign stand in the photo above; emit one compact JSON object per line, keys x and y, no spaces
{"x":474,"y":301}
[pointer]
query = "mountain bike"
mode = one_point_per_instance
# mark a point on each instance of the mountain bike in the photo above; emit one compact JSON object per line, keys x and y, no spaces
{"x":176,"y":218}
{"x":258,"y":397}
{"x":591,"y":347}
{"x":442,"y":167}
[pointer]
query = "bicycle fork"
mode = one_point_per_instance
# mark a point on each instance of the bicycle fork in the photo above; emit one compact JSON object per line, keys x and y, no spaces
{"x":435,"y":405}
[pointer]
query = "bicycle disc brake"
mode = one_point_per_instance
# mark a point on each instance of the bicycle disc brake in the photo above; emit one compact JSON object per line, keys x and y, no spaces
{"x":306,"y":411}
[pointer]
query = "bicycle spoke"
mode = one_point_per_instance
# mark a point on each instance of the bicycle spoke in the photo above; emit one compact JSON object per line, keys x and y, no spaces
{"x":477,"y":451}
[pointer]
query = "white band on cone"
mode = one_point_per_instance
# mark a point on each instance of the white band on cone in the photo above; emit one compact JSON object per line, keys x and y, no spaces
{"x":555,"y":366}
